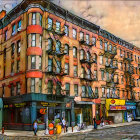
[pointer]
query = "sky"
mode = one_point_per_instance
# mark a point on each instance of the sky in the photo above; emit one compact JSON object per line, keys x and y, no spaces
{"x":119,"y":17}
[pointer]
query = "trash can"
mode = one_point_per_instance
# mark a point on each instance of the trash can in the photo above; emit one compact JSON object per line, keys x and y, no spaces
{"x":51,"y":131}
{"x":59,"y":129}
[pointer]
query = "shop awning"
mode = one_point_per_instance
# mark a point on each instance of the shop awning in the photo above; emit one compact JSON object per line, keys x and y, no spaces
{"x":87,"y":103}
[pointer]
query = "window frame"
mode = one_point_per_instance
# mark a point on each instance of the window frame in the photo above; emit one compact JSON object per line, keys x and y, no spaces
{"x":75,"y":52}
{"x":32,"y":85}
{"x":34,"y":18}
{"x":18,"y":88}
{"x":33,"y":40}
{"x":33,"y":63}
{"x":67,"y":88}
{"x":74,"y":33}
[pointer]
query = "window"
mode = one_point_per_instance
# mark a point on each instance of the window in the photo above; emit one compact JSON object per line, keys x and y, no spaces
{"x":40,"y":85}
{"x":101,"y":59}
{"x":83,"y":91}
{"x":136,"y":70}
{"x":135,"y":58}
{"x":123,"y":94}
{"x":87,"y":38}
{"x":118,"y":92}
{"x":32,"y":84}
{"x":74,"y":52}
{"x":66,"y":68}
{"x":95,"y":58}
{"x":40,"y":41}
{"x":40,"y":20}
{"x":12,"y":68}
{"x":6,"y":33}
{"x":75,"y":71}
{"x":96,"y":92}
{"x":18,"y":47}
{"x":40,"y":62}
{"x":103,"y":92}
{"x":106,"y":46}
{"x":58,"y":67}
{"x":50,"y":44}
{"x":88,"y":56}
{"x":12,"y":90}
{"x":58,"y":46}
{"x":101,"y":44}
{"x":66,"y":51}
{"x":13,"y":49}
{"x":82,"y":53}
{"x":121,"y":53}
{"x":108,"y":92}
{"x":106,"y":62}
{"x":58,"y":27}
{"x":50,"y":65}
{"x":121,"y":79}
{"x":74,"y":34}
{"x":33,"y":18}
{"x":33,"y":62}
{"x":102,"y":74}
{"x":110,"y":47}
{"x":121,"y":65}
{"x":33,"y":40}
{"x":13,"y":29}
{"x":137,"y":82}
{"x":88,"y":74}
{"x":81,"y":36}
{"x":67,"y":88}
{"x":18,"y":88}
{"x":66,"y":28}
{"x":19,"y":25}
{"x":90,"y":91}
{"x":18,"y":66}
{"x":50,"y":23}
{"x":82,"y":72}
{"x":50,"y":87}
{"x":107,"y":76}
{"x":95,"y":74}
{"x":58,"y":88}
{"x":94,"y":41}
{"x":76,"y":89}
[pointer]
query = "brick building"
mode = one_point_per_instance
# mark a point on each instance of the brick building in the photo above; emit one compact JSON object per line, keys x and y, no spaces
{"x":53,"y":58}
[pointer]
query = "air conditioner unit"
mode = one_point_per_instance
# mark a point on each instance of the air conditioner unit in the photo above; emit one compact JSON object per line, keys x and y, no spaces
{"x":19,"y":29}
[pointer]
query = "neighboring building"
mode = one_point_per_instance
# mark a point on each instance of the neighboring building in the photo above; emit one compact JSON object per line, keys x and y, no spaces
{"x":52,"y":58}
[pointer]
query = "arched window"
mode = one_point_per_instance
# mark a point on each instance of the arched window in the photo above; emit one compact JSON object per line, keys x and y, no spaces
{"x":88,"y":56}
{"x":82,"y":53}
{"x":74,"y":52}
{"x":58,"y":46}
{"x":66,"y":51}
{"x":95,"y":57}
{"x":50,"y":44}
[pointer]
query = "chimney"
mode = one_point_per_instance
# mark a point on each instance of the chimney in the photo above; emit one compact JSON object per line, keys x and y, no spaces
{"x":2,"y":14}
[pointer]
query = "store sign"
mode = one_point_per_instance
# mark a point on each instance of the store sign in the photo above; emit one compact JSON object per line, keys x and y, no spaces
{"x":112,"y":101}
{"x":43,"y":111}
{"x":130,"y":103}
{"x":117,"y":107}
{"x":15,"y":105}
{"x":130,"y":107}
{"x":45,"y":104}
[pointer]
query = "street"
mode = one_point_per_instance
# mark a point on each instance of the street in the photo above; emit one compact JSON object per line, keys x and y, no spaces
{"x":119,"y":133}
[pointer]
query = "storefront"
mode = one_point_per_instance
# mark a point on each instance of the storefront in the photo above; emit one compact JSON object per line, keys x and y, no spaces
{"x":138,"y":111}
{"x":115,"y":109}
{"x":20,"y":112}
{"x":130,"y":113}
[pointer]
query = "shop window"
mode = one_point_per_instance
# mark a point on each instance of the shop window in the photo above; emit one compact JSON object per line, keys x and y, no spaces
{"x":102,"y":74}
{"x":96,"y":92}
{"x":103,"y":92}
{"x":74,"y":52}
{"x":18,"y":66}
{"x":19,"y":26}
{"x":87,"y":39}
{"x":33,"y":62}
{"x":58,"y":26}
{"x":83,"y":91}
{"x":58,"y":46}
{"x":32,"y":85}
{"x":88,"y":56}
{"x":101,"y":59}
{"x":66,"y":30}
{"x":50,"y":23}
{"x":13,"y":49}
{"x":66,"y":51}
{"x":66,"y":68}
{"x":95,"y":58}
{"x":94,"y":41}
{"x":40,"y":41}
{"x":40,"y":85}
{"x":13,"y":29}
{"x":18,"y":47}
{"x":40,"y":62}
{"x":58,"y":66}
{"x":50,"y":65}
{"x":106,"y":46}
{"x":82,"y":72}
{"x":58,"y":88}
{"x":18,"y":88}
{"x":90,"y":91}
{"x":12,"y":68}
{"x":50,"y":87}
{"x":12,"y":90}
{"x":33,"y":40}
{"x":82,"y":54}
{"x":5,"y":35}
{"x":75,"y":71}
{"x":75,"y":89}
{"x":50,"y":44}
{"x":67,"y":88}
{"x":81,"y":36}
{"x":33,"y":18}
{"x":74,"y":34}
{"x":101,"y":44}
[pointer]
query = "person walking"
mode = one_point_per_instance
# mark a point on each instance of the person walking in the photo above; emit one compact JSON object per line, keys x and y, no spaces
{"x":35,"y":127}
{"x":102,"y":121}
{"x":95,"y":124}
{"x":64,"y":124}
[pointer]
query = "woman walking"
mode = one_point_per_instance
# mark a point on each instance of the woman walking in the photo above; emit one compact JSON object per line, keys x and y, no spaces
{"x":35,"y":127}
{"x":95,"y":124}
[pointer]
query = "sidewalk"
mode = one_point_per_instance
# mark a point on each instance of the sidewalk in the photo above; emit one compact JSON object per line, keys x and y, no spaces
{"x":14,"y":133}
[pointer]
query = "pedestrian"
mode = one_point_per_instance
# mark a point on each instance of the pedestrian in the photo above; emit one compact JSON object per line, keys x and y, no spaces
{"x":95,"y":124}
{"x":64,"y":124}
{"x":102,"y":121}
{"x":35,"y":127}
